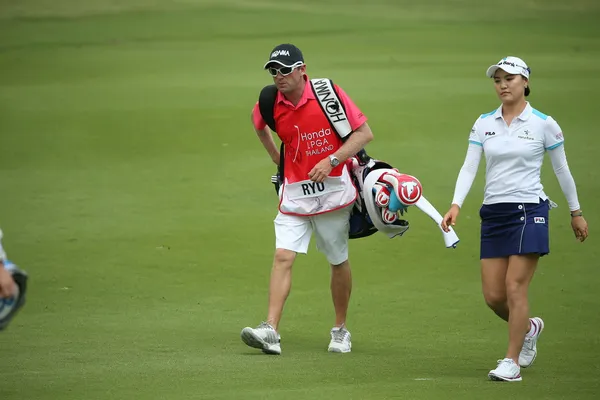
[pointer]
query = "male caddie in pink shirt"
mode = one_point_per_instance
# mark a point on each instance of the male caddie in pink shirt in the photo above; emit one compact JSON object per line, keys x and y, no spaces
{"x":317,"y":192}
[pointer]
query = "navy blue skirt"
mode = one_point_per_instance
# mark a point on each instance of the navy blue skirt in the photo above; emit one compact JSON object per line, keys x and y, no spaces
{"x":514,"y":228}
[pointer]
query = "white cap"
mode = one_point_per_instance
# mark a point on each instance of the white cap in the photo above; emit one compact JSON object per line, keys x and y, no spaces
{"x":512,"y":65}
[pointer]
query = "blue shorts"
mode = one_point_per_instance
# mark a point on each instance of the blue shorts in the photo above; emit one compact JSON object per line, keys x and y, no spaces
{"x":514,"y":228}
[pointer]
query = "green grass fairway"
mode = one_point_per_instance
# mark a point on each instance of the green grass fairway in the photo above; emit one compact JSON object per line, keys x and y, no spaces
{"x":136,"y":194}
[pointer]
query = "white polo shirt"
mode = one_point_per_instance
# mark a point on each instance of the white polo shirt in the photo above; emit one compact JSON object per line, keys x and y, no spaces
{"x":514,"y":154}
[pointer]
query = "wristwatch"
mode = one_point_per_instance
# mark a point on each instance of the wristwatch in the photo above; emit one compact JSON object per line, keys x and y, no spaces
{"x":333,"y":161}
{"x":577,"y":214}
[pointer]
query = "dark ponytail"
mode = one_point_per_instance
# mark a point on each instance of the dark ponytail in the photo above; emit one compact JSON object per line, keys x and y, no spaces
{"x":527,"y":91}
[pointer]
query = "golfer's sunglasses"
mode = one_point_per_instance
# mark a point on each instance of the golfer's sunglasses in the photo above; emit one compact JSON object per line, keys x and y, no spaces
{"x":284,"y":71}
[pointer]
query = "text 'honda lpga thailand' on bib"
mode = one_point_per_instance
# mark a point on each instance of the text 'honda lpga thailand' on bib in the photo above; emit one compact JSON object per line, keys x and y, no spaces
{"x":300,"y":196}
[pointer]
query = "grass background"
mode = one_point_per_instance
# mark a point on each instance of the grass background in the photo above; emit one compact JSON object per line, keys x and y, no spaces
{"x":135,"y":193}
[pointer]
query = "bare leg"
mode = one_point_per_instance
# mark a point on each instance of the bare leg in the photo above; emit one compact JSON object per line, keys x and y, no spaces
{"x":520,"y":272}
{"x":493,"y":284}
{"x":280,"y":284}
{"x":341,"y":287}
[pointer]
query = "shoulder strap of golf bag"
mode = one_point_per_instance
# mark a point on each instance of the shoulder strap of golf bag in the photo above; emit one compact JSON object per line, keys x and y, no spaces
{"x":332,"y":107}
{"x":266,"y":105}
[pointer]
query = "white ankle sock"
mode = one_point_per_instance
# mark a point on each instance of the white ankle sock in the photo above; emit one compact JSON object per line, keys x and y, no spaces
{"x":534,"y":327}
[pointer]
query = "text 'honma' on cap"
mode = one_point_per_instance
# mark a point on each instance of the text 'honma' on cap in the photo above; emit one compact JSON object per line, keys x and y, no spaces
{"x":287,"y":55}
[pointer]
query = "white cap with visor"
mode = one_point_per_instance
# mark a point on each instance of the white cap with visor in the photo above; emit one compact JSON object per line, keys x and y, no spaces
{"x":512,"y":65}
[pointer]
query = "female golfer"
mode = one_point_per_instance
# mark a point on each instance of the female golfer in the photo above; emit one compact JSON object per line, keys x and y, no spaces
{"x":514,"y":215}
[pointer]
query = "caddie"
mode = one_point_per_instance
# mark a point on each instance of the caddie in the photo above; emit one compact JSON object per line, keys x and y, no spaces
{"x":320,"y":127}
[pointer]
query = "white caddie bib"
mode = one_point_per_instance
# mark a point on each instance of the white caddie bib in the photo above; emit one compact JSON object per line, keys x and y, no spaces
{"x":310,"y":198}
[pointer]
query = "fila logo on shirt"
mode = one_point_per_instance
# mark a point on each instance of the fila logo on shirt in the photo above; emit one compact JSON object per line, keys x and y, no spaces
{"x":280,"y":53}
{"x":490,"y":133}
{"x":539,"y":220}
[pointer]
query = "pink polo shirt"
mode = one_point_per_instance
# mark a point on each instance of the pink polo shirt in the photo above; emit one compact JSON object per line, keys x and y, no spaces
{"x":355,"y":116}
{"x":308,"y":137}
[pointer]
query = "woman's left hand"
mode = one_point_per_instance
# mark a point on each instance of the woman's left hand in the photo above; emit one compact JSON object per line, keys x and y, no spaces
{"x":580,"y":228}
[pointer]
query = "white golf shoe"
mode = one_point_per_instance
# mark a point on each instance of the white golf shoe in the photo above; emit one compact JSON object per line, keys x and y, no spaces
{"x":340,"y":340}
{"x":529,"y":350}
{"x":506,"y":371}
{"x":263,"y":337}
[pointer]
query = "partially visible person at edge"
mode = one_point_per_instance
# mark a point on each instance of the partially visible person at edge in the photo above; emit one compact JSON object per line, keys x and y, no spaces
{"x":316,"y":196}
{"x":8,"y":287}
{"x":514,"y":215}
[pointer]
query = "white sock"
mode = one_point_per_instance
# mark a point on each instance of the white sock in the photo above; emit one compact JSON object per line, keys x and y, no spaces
{"x":534,"y":327}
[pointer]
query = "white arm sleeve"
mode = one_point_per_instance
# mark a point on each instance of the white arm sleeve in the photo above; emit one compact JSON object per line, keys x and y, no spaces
{"x":467,"y":173}
{"x":558,"y":157}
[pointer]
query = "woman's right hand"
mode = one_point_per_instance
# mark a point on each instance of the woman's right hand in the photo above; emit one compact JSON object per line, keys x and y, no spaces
{"x":450,"y":218}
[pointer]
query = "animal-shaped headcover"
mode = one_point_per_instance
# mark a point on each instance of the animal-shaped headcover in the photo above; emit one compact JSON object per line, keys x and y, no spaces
{"x":386,"y":193}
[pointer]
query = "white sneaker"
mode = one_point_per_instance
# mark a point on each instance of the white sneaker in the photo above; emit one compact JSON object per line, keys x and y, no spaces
{"x":529,"y":350}
{"x":340,"y":340}
{"x":263,"y":337}
{"x":507,"y":371}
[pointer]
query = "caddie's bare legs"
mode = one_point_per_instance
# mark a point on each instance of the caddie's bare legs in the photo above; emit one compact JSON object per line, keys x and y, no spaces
{"x":280,"y":284}
{"x":265,"y":335}
{"x":341,"y":288}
